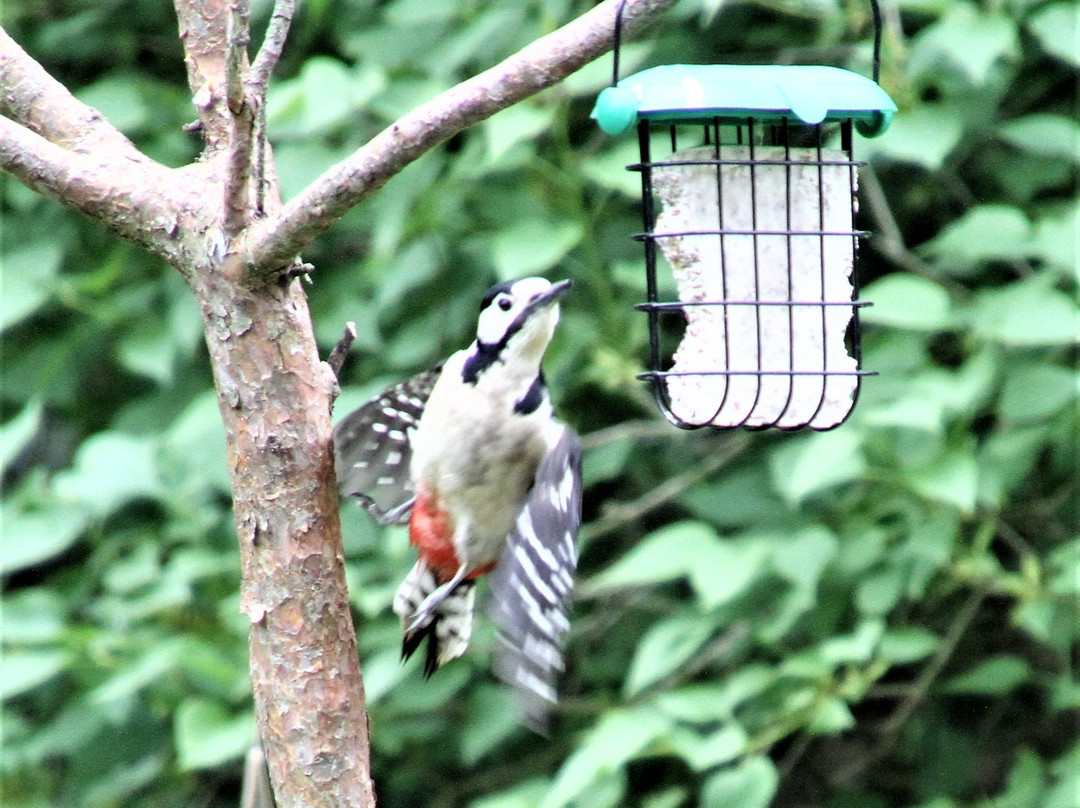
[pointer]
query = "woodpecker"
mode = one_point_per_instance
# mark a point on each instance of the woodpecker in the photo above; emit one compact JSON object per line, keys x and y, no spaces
{"x":471,"y":456}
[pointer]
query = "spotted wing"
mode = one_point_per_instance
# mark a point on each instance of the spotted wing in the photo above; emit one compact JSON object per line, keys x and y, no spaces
{"x":533,"y":582}
{"x":372,"y":449}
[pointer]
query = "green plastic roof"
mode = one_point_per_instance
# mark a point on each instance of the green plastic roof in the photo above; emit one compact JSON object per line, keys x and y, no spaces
{"x":811,"y":94}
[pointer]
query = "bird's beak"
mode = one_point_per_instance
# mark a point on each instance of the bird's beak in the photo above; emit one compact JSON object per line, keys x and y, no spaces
{"x":551,"y":295}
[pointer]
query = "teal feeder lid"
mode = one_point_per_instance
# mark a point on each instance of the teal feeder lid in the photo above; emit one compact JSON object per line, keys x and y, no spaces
{"x":808,"y":93}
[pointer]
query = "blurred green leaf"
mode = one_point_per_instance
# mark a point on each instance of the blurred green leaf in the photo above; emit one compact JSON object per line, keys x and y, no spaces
{"x":1033,"y":392}
{"x":326,"y":95}
{"x":669,"y":798}
{"x":907,"y":644}
{"x":618,"y":737}
{"x":513,"y":125}
{"x":952,"y":479}
{"x":1027,"y":314}
{"x":533,"y":247}
{"x":1055,"y":27}
{"x":300,"y":162}
{"x":147,"y":349}
{"x":718,"y":570}
{"x":524,"y":795}
{"x":666,"y":646}
{"x":984,"y":233}
{"x":907,"y":301}
{"x":1050,"y":135}
{"x":31,"y":537}
{"x":831,"y":717}
{"x":193,"y":452}
{"x":803,"y":559}
{"x":32,"y":616}
{"x":605,"y":461}
{"x":28,"y":280}
{"x":21,"y":671}
{"x":812,"y":464}
{"x":752,"y":784}
{"x":492,"y":719}
{"x":120,"y":99}
{"x":713,"y":703}
{"x":664,"y":555}
{"x":727,"y":570}
{"x":987,"y":36}
{"x":916,"y":411}
{"x":110,"y":469}
{"x":207,"y":736}
{"x":880,"y":591}
{"x":1055,"y":239}
{"x":416,"y":265}
{"x":608,"y":169}
{"x":858,"y":646}
{"x":994,"y":676}
{"x":924,"y":135}
{"x":712,"y":750}
{"x":140,"y":672}
{"x":1064,"y":793}
{"x":15,"y":434}
{"x":1026,"y":783}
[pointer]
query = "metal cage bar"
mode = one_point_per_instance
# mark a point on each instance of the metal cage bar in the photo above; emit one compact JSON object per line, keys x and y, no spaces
{"x":751,"y":135}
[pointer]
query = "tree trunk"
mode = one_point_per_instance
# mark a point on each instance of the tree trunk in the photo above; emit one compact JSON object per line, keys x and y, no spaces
{"x":275,"y":397}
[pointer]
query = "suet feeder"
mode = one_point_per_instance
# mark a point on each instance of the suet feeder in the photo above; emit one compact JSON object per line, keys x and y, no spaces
{"x":752,"y":205}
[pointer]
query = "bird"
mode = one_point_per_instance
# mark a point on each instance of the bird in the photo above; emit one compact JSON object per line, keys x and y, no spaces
{"x":471,"y":456}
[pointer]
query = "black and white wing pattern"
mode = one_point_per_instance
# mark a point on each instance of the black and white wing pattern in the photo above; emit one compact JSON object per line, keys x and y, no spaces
{"x":533,"y":582}
{"x":372,"y":449}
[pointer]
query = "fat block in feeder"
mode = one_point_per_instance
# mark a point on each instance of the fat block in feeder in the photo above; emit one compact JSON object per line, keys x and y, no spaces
{"x":787,"y":363}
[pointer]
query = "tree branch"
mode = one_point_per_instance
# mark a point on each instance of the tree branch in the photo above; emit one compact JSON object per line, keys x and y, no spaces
{"x":44,"y":106}
{"x":274,"y":242}
{"x":258,"y":81}
{"x":242,"y":121}
{"x":138,"y":200}
{"x":273,"y":44}
{"x":204,"y":35}
{"x":239,"y":35}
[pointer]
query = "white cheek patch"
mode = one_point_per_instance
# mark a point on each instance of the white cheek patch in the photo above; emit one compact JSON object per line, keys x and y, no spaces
{"x":493,"y":324}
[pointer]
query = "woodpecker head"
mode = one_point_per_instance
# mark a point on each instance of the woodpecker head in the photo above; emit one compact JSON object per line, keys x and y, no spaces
{"x":517,"y":319}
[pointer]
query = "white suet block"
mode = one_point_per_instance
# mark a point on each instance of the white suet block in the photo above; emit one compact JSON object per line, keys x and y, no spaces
{"x":803,"y":268}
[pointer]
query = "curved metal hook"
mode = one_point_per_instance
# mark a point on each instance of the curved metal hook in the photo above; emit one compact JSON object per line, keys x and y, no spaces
{"x":616,"y":42}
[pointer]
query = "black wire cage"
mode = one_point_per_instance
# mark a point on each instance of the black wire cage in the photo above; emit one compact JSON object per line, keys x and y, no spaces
{"x":749,"y":185}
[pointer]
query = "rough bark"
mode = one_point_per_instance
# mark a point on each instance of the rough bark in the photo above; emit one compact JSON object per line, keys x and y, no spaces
{"x":274,"y":393}
{"x":275,"y":397}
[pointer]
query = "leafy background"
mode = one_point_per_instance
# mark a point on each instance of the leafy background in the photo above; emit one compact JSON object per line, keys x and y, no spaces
{"x":883,"y":615}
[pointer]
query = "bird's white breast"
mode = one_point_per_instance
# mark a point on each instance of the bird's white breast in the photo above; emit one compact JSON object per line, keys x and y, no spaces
{"x":477,"y":456}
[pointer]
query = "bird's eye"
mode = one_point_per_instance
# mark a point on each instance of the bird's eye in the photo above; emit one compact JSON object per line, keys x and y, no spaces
{"x":505,"y":304}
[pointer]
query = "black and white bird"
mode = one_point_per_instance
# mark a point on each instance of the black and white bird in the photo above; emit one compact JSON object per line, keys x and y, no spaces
{"x":471,"y":455}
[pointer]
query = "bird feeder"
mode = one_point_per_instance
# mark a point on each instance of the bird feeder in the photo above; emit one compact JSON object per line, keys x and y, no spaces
{"x":748,"y":189}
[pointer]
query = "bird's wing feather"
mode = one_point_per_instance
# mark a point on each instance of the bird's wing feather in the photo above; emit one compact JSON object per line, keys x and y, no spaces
{"x":533,"y":582}
{"x":372,"y":449}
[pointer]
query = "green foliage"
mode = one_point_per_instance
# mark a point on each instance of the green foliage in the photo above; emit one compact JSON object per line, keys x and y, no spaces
{"x":880,"y":615}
